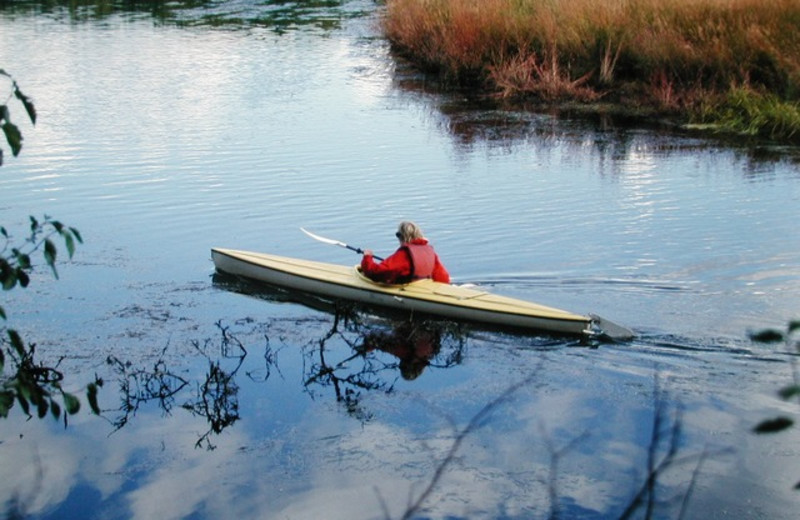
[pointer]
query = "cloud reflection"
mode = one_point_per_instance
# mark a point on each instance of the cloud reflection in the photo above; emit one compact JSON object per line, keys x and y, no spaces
{"x":317,"y":461}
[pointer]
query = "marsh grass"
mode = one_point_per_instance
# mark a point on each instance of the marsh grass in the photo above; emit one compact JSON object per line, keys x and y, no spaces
{"x":744,"y":111}
{"x":668,"y":55}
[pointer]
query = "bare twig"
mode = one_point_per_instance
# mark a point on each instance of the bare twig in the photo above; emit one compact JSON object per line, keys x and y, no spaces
{"x":473,"y":425}
{"x":555,"y":458}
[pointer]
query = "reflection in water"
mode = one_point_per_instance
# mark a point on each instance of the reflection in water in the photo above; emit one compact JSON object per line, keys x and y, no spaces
{"x":566,"y":443}
{"x":277,"y":15}
{"x":34,"y":384}
{"x":475,"y":121}
{"x":139,"y":386}
{"x":217,"y":397}
{"x":214,"y":397}
{"x":415,"y":345}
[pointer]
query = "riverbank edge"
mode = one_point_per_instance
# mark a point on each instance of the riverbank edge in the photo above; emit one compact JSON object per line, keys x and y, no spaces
{"x":463,"y":57}
{"x":635,"y":111}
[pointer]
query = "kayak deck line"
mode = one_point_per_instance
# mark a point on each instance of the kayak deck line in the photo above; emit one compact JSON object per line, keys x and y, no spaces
{"x":426,"y":296}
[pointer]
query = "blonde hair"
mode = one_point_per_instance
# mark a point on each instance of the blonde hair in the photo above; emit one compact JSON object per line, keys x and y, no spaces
{"x":408,"y":231}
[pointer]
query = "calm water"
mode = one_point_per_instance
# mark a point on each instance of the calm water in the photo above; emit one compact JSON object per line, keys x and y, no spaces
{"x":160,"y":140}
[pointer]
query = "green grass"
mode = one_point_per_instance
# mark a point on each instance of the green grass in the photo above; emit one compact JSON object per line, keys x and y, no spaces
{"x":746,"y":112}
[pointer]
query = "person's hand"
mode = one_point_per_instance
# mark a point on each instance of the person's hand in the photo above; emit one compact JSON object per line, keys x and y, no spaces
{"x":368,"y":252}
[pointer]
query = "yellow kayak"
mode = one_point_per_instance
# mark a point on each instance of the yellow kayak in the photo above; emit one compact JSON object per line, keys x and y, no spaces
{"x":423,"y":296}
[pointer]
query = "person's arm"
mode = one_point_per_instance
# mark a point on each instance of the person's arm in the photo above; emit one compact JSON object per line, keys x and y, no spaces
{"x":440,"y":274}
{"x":393,"y":267}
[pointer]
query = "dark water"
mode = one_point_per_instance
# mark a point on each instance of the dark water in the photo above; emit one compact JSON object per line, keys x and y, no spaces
{"x":162,"y":136}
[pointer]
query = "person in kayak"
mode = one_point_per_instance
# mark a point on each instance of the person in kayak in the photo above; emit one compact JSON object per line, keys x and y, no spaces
{"x":415,"y":259}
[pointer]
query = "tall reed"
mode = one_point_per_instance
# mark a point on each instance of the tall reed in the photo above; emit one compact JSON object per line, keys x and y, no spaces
{"x":671,"y":54}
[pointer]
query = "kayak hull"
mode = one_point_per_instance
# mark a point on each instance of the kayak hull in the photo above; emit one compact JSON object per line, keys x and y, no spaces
{"x":423,"y":296}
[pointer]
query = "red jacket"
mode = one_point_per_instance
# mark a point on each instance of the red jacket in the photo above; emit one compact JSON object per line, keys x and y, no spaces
{"x":398,"y":267}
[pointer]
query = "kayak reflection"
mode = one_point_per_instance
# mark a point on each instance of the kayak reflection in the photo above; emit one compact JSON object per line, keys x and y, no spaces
{"x":413,"y":340}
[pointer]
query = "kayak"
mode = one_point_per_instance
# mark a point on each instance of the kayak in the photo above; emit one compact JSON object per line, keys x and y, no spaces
{"x":460,"y":303}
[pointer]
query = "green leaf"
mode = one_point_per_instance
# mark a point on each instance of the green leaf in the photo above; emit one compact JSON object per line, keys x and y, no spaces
{"x":71,"y":404}
{"x":27,"y":103}
{"x":13,"y":136}
{"x":70,"y":243}
{"x":789,"y":392}
{"x":16,"y":342}
{"x":55,"y":409}
{"x":8,"y":275}
{"x":2,"y":361}
{"x":3,"y":313}
{"x":50,"y":255}
{"x":91,"y":396}
{"x":774,"y":425}
{"x":6,"y":402}
{"x":41,"y":408}
{"x":23,"y":260}
{"x":767,"y":336}
{"x":77,"y":234}
{"x":23,"y":403}
{"x":22,"y":277}
{"x":794,"y":325}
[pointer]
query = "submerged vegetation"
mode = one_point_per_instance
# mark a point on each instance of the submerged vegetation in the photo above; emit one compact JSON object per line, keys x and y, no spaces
{"x":732,"y":65}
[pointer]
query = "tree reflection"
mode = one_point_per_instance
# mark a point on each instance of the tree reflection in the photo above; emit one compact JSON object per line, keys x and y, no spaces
{"x":348,"y":359}
{"x":278,"y":15}
{"x":215,"y":398}
{"x":656,"y":496}
{"x":413,"y":345}
{"x":139,"y":386}
{"x":612,"y":136}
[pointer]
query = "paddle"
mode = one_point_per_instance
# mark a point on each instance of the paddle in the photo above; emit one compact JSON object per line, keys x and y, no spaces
{"x":336,"y":243}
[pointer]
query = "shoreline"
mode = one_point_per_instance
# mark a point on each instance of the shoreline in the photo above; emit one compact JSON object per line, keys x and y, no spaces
{"x":723,"y":68}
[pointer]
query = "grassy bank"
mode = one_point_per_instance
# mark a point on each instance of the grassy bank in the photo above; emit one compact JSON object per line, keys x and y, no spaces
{"x":727,"y":64}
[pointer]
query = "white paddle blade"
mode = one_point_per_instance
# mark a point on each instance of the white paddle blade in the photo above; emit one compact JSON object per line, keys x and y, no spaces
{"x":323,"y":239}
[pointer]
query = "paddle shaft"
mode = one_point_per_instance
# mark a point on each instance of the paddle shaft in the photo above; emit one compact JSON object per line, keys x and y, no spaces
{"x":360,"y":251}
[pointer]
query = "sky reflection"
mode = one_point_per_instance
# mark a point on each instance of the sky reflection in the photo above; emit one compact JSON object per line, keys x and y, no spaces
{"x":588,"y":407}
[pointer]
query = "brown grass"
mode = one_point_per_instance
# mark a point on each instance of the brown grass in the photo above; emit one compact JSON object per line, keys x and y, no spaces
{"x":672,"y":51}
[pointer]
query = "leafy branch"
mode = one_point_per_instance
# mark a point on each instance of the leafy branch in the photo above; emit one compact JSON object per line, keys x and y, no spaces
{"x":788,"y":392}
{"x":36,"y":387}
{"x":32,"y":385}
{"x":12,"y":131}
{"x":15,"y":262}
{"x":791,"y":337}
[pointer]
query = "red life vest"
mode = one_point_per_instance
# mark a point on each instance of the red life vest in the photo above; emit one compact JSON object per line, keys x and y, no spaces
{"x":423,"y":260}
